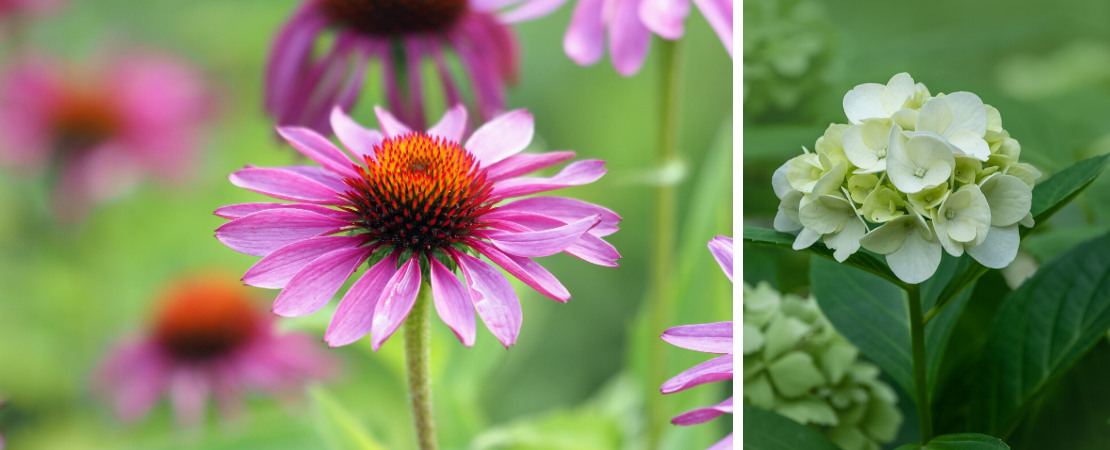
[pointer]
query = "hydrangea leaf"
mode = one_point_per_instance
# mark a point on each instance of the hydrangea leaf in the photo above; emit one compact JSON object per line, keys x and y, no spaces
{"x":766,"y":430}
{"x":864,"y":260}
{"x":794,"y":373}
{"x":963,"y":441}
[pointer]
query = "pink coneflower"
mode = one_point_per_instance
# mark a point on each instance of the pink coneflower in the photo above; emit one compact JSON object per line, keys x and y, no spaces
{"x":628,"y":26}
{"x":99,"y":130}
{"x":302,"y":86}
{"x":708,"y":338}
{"x":13,"y":8}
{"x":207,"y":339}
{"x":418,"y":205}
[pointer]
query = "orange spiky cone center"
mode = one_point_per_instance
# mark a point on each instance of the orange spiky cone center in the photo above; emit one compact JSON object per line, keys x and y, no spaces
{"x":204,"y":318}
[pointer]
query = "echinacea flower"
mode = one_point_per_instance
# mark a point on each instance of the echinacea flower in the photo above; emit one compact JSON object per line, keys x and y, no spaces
{"x":627,"y":25}
{"x":303,"y":86}
{"x":207,"y":339}
{"x":417,"y":205}
{"x":707,"y":338}
{"x":13,"y":8}
{"x":101,"y":128}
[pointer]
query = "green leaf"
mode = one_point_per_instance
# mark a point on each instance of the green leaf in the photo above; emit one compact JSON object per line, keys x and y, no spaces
{"x":1040,"y":331}
{"x":1060,"y":189}
{"x":872,"y":314}
{"x":338,"y":427}
{"x":862,"y":259}
{"x":765,"y":430}
{"x":962,"y":441}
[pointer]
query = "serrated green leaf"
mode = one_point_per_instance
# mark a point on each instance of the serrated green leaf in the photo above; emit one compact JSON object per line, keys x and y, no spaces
{"x":861,"y":259}
{"x":962,"y":441}
{"x":1040,"y":331}
{"x":1060,"y":189}
{"x":765,"y":430}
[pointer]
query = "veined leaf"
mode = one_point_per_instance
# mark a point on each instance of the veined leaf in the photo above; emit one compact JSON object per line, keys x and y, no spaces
{"x":765,"y":430}
{"x":962,"y":441}
{"x":862,"y":259}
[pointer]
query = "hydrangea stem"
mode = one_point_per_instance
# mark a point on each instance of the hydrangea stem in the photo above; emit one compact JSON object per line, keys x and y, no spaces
{"x":921,"y":386}
{"x":418,"y":357}
{"x":661,"y":299}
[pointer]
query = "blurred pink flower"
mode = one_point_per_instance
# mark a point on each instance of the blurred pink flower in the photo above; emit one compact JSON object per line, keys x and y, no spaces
{"x":207,"y":339}
{"x":101,"y":129}
{"x":628,"y":23}
{"x":708,"y":338}
{"x":9,"y":8}
{"x":417,"y":205}
{"x":302,"y":87}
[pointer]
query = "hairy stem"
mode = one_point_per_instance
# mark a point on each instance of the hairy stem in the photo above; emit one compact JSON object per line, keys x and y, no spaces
{"x":920,"y":375}
{"x":418,"y":357}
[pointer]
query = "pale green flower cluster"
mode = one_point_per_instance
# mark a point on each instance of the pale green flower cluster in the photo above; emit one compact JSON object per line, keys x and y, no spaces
{"x":787,"y":51}
{"x":797,"y":365}
{"x":910,"y":174}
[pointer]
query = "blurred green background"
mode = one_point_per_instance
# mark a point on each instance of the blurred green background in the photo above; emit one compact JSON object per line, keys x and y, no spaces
{"x":67,"y":292}
{"x":1044,"y":65}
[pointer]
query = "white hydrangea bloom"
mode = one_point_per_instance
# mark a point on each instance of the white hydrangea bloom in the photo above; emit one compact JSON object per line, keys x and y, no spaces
{"x":910,"y":177}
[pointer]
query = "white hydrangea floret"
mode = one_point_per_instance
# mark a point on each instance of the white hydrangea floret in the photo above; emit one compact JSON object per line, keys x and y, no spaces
{"x":960,"y":119}
{"x":876,"y":101}
{"x":918,"y":162}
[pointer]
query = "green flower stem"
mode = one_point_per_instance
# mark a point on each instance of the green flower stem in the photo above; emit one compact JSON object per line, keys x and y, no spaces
{"x":418,"y":357}
{"x":661,"y":311}
{"x":920,"y":384}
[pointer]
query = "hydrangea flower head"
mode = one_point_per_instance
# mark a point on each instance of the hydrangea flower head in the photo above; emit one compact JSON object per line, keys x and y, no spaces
{"x":417,"y":206}
{"x":101,"y":128}
{"x":789,"y":49}
{"x":910,"y":176}
{"x":207,"y":339}
{"x":708,"y":338}
{"x":302,"y":86}
{"x":797,"y":365}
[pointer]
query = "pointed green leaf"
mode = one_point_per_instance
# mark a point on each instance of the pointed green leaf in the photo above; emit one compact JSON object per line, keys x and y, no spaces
{"x":765,"y":430}
{"x":1060,"y":189}
{"x":862,"y":259}
{"x":962,"y":441}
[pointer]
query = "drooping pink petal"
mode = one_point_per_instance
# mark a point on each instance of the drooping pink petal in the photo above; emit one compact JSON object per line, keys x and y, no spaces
{"x":526,"y":270}
{"x":719,"y":15}
{"x":189,"y":389}
{"x":452,"y":125}
{"x":721,"y":248}
{"x":285,"y":185}
{"x":565,"y":209}
{"x":589,"y":247}
{"x":396,"y":302}
{"x":133,"y":378}
{"x":493,"y":297}
{"x":278,"y":268}
{"x":574,"y":174}
{"x":390,"y":125}
{"x":319,"y":149}
{"x":245,"y":209}
{"x":414,"y":48}
{"x":709,"y":337}
{"x":289,"y":54}
{"x":629,"y":39}
{"x":359,"y":141}
{"x":702,"y":415}
{"x":667,"y":18}
{"x":716,"y":369}
{"x":533,"y":9}
{"x":446,"y":78}
{"x":312,"y":287}
{"x":453,"y":303}
{"x":584,"y":42}
{"x":535,"y":244}
{"x":523,"y":164}
{"x":261,"y":233}
{"x":502,"y":137}
{"x":723,"y":444}
{"x":355,"y":314}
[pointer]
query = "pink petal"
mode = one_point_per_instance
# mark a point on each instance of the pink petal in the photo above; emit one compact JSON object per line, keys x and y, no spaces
{"x":319,"y":149}
{"x":585,"y":38}
{"x":318,"y":282}
{"x":708,"y":338}
{"x":574,"y":174}
{"x":452,"y":125}
{"x":628,"y":38}
{"x":526,"y":270}
{"x":453,"y":303}
{"x":133,"y":378}
{"x":414,"y":58}
{"x":355,"y":314}
{"x":502,"y":137}
{"x":290,"y":52}
{"x":245,"y":209}
{"x":396,"y":302}
{"x":277,"y":269}
{"x":723,"y":444}
{"x":702,"y":415}
{"x":565,"y":209}
{"x":535,"y":244}
{"x":533,"y":9}
{"x":261,"y":233}
{"x":667,"y":18}
{"x":390,"y":125}
{"x":285,"y":185}
{"x":721,"y":248}
{"x":189,"y":388}
{"x":716,"y":369}
{"x":360,"y":142}
{"x":319,"y":175}
{"x":523,"y":164}
{"x":719,"y":15}
{"x":493,"y":297}
{"x":589,"y":247}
